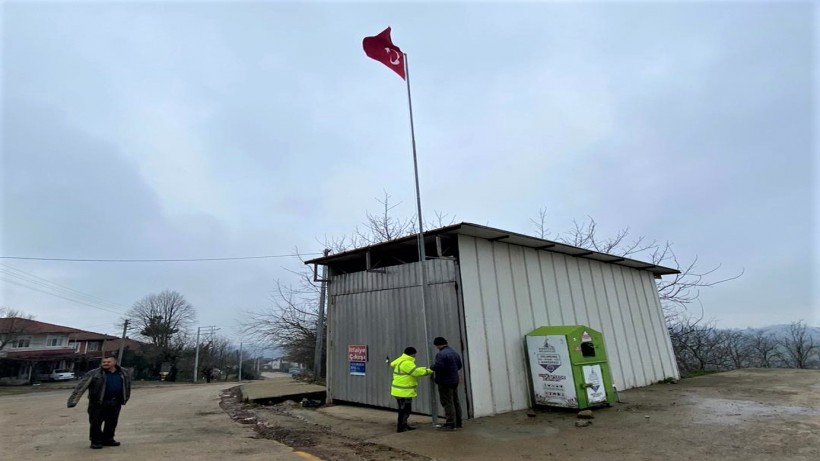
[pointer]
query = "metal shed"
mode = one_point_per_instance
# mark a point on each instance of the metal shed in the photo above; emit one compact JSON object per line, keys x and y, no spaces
{"x":486,"y":289}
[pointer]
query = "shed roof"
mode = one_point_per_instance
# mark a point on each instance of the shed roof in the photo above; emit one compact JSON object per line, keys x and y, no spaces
{"x":493,"y":234}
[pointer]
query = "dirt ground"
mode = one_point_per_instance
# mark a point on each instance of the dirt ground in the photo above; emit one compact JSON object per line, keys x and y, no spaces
{"x":307,"y":430}
{"x":740,"y":415}
{"x":180,"y":421}
{"x":745,"y":414}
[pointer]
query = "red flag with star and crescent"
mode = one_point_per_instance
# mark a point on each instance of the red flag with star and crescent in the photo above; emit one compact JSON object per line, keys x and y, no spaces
{"x":382,"y":49}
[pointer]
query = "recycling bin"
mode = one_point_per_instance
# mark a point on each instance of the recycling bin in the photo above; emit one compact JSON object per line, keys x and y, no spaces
{"x":568,"y":367}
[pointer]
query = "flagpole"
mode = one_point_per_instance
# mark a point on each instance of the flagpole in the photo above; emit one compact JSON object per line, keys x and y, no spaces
{"x":422,"y":255}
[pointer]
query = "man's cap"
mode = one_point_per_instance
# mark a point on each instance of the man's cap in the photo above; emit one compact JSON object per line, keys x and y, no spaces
{"x":410,"y":350}
{"x":439,"y":341}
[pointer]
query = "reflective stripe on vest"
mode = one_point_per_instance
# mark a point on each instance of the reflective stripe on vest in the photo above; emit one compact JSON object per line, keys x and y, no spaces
{"x":401,"y":373}
{"x":404,"y":383}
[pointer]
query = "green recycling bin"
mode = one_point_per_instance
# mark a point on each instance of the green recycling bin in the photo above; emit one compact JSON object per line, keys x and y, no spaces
{"x":568,"y":367}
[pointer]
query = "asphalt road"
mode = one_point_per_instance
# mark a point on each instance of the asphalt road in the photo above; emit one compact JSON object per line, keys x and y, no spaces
{"x":178,"y":422}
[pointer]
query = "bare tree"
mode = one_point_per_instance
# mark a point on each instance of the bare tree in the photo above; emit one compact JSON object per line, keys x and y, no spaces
{"x":291,"y":322}
{"x":703,"y":346}
{"x":735,"y":349}
{"x":439,"y":219}
{"x":164,"y":320}
{"x":693,"y":342}
{"x":384,"y":226}
{"x":13,"y":325}
{"x":217,"y":353}
{"x":763,"y":349}
{"x":683,"y":288}
{"x":540,"y":224}
{"x":799,"y":346}
{"x":585,"y":235}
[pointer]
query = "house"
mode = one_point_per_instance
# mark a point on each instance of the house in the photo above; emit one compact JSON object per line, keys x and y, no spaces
{"x":281,"y":364}
{"x":31,"y":348}
{"x":113,"y":347}
{"x":486,"y":288}
{"x":275,"y":364}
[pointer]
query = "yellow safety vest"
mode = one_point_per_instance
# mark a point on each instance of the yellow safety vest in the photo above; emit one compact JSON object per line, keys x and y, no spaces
{"x":405,"y":374}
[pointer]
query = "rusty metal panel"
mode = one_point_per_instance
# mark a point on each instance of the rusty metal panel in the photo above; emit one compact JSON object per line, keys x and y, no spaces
{"x":383,"y":311}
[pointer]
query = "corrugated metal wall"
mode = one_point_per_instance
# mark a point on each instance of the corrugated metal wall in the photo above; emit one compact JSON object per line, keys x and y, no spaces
{"x":383,"y":311}
{"x":510,"y":290}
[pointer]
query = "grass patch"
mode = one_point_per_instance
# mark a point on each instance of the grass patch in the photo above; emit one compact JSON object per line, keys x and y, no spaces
{"x":14,"y":390}
{"x":696,"y":373}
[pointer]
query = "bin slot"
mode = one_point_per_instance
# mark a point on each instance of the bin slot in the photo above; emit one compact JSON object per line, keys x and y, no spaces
{"x":588,"y":349}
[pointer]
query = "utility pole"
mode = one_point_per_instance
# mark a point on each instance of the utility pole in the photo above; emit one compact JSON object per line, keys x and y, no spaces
{"x":122,"y":341}
{"x":196,"y":356}
{"x":320,"y":324}
{"x":240,"y":362}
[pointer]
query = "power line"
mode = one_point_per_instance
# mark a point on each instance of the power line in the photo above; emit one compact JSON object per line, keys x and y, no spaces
{"x":48,"y":284}
{"x":42,"y":285}
{"x":63,"y":297}
{"x":236,"y":258}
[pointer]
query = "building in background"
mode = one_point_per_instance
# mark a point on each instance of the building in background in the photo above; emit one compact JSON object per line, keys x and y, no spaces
{"x":32,"y":350}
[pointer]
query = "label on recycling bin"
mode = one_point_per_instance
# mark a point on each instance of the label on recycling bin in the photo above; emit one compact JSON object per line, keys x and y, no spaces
{"x":596,"y":391}
{"x":551,"y":371}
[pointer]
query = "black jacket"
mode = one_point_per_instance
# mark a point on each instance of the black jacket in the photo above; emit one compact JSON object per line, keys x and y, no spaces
{"x":94,"y":382}
{"x":446,"y":366}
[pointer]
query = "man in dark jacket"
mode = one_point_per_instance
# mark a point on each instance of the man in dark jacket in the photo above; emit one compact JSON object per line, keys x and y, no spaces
{"x":109,"y":388}
{"x":446,"y":367}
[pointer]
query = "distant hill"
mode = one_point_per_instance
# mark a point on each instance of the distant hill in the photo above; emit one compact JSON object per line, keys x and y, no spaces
{"x":783,"y":330}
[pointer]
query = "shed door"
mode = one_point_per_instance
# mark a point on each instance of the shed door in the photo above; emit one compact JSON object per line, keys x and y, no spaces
{"x":382,"y":310}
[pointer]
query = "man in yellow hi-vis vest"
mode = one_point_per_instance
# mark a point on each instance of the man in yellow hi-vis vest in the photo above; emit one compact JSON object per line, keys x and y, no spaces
{"x":405,"y":382}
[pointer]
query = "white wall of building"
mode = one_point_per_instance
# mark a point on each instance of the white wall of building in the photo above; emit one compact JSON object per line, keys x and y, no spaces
{"x":510,"y":290}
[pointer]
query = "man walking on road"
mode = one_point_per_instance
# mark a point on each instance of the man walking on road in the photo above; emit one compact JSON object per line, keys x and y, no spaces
{"x":405,"y":383}
{"x":446,"y":367}
{"x":109,"y":388}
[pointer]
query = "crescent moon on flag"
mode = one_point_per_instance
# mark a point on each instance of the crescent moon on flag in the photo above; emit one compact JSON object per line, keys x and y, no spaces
{"x":397,"y":60}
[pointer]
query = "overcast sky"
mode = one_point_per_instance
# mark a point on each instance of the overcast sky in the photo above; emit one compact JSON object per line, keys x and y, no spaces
{"x":207,"y":129}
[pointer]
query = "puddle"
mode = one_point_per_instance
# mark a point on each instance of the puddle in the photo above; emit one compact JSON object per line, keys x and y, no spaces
{"x":729,"y":412}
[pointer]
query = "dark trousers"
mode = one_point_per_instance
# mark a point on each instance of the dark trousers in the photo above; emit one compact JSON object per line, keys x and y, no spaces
{"x":404,"y":412}
{"x":448,"y":395}
{"x":103,"y":418}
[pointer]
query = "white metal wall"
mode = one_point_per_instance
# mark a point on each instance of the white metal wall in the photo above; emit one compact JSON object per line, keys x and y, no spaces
{"x":510,"y":290}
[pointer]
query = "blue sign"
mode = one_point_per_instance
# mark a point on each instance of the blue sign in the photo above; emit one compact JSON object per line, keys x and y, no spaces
{"x":357,"y":368}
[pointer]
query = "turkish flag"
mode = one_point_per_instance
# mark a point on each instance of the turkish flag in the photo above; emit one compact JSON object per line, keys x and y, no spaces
{"x":382,"y":49}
